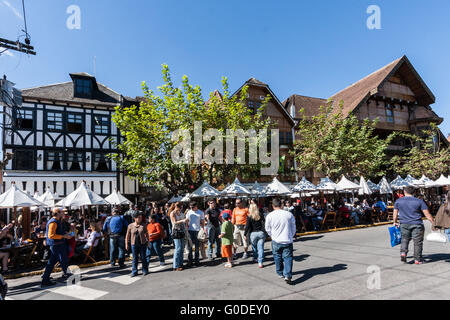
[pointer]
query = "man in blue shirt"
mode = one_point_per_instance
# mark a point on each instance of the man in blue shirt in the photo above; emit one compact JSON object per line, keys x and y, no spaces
{"x":116,"y":227}
{"x":409,"y":211}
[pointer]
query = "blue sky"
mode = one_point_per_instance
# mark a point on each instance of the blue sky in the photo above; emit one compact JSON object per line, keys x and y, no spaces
{"x":313,"y":48}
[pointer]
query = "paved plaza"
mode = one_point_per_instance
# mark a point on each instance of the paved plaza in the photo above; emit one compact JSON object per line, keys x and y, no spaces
{"x":327,"y":266}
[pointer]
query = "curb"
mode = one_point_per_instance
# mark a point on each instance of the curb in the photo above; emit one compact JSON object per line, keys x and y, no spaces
{"x":37,"y":273}
{"x":346,"y":228}
{"x":102,"y":263}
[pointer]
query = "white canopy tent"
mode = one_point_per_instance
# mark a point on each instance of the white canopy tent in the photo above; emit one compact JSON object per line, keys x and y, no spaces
{"x":373,"y":186}
{"x":116,"y":198}
{"x":276,"y":188}
{"x":414,"y":182}
{"x":347,"y":185}
{"x":186,"y":198}
{"x":205,"y":190}
{"x":175,"y":199}
{"x":364,"y":187}
{"x":399,"y":183}
{"x":81,"y":197}
{"x":304,"y":186}
{"x":235,"y":189}
{"x":327,"y":185}
{"x":257,"y":189}
{"x":48,"y":198}
{"x":442,"y":181}
{"x":14,"y":198}
{"x":385,"y":188}
{"x":427,"y":182}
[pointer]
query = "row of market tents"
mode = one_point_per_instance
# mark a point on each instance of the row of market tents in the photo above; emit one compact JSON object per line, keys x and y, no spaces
{"x":306,"y":188}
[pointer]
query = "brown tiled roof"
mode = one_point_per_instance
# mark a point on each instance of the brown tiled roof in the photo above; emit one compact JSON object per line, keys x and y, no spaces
{"x":309,"y":104}
{"x":353,"y":95}
{"x":63,"y":92}
{"x":358,"y":92}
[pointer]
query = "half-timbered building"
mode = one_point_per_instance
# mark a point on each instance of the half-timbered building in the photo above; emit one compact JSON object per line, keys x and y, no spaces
{"x":395,"y":94}
{"x":62,"y":135}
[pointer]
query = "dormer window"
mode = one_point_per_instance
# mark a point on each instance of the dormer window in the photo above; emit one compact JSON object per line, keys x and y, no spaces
{"x":83,"y":88}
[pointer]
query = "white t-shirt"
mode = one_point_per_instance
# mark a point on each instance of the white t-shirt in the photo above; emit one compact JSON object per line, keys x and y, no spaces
{"x":280,"y":225}
{"x":194,"y":219}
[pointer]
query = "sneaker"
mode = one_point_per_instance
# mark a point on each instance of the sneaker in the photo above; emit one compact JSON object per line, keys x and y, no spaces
{"x":228,"y":265}
{"x":133,"y":275}
{"x":281,"y":276}
{"x":260,"y":265}
{"x":288,"y":281}
{"x":403,"y":258}
{"x":179,"y":269}
{"x":418,"y":261}
{"x":245,"y":256}
{"x":145,"y":273}
{"x":66,"y":276}
{"x":47,"y":283}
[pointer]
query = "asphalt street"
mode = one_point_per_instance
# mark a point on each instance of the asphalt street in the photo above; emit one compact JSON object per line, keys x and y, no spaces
{"x":337,"y":265}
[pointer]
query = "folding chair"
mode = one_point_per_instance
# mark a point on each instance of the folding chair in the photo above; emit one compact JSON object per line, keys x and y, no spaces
{"x":89,"y":253}
{"x":329,"y":220}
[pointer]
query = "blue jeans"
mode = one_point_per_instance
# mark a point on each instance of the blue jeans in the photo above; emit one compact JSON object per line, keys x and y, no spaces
{"x":195,"y":242}
{"x":257,"y":239}
{"x":283,"y":256}
{"x":117,"y":244}
{"x":355,"y":216}
{"x":178,"y":254}
{"x":155,"y":247}
{"x":139,"y":252}
{"x":57,"y":253}
{"x":447,"y":232}
{"x":213,"y":238}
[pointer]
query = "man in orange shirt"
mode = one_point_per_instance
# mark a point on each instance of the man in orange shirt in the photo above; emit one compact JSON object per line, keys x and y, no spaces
{"x":58,"y":251}
{"x":155,"y":238}
{"x":239,"y":220}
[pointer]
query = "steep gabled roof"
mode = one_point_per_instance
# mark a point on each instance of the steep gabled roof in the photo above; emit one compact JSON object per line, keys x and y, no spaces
{"x":257,"y":83}
{"x":309,"y":104}
{"x":360,"y":91}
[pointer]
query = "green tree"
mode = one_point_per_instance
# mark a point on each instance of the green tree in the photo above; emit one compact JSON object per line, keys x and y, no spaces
{"x":426,"y":154}
{"x":334,"y":145}
{"x":145,"y":152}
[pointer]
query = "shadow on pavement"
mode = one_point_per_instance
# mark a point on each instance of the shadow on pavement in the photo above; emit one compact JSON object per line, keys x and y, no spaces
{"x":437,"y":257}
{"x":309,"y":273}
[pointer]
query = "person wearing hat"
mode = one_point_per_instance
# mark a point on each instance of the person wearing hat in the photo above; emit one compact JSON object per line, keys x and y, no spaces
{"x":138,"y":236}
{"x":226,"y":236}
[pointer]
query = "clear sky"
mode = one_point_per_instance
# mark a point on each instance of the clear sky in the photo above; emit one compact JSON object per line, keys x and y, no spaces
{"x":313,"y":48}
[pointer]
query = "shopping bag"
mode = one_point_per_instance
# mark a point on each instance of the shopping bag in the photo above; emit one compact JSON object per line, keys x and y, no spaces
{"x":437,"y":237}
{"x":396,"y":236}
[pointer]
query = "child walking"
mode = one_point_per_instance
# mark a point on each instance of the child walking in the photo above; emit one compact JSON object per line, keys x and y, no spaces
{"x":227,"y":239}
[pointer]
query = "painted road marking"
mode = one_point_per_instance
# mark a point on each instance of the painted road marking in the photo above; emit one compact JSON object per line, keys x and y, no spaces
{"x":78,"y":292}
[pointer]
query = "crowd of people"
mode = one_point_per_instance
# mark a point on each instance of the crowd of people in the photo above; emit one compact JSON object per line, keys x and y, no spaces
{"x":219,"y":231}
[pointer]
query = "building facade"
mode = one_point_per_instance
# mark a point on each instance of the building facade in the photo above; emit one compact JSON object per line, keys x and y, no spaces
{"x":62,"y":135}
{"x":395,"y":94}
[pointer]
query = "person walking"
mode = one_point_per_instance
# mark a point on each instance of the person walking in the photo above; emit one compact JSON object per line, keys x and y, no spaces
{"x":442,"y":219}
{"x":255,"y":230}
{"x":226,"y":236}
{"x":128,"y":216}
{"x":138,"y":236}
{"x":195,"y":220}
{"x":58,"y":250}
{"x":212,"y":215}
{"x":239,"y":220}
{"x":155,"y":237}
{"x":116,"y":228}
{"x":280,"y":225}
{"x":408,"y":210}
{"x":178,"y":235}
